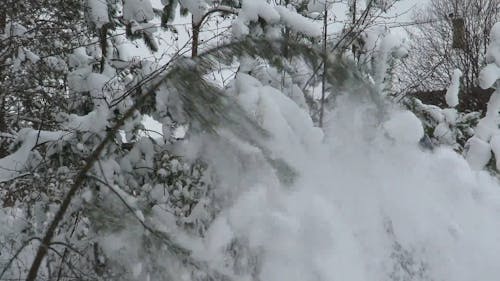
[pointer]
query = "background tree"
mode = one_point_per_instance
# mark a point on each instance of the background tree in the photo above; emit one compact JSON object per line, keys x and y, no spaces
{"x":434,"y":60}
{"x":35,"y":38}
{"x":73,"y":179}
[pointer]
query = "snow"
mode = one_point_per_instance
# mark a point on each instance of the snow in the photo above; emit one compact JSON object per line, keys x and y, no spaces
{"x":95,"y":121}
{"x":87,"y":196}
{"x":444,"y":134}
{"x":33,"y":58}
{"x":489,"y":75}
{"x":138,"y":10}
{"x":495,"y":147}
{"x":493,"y":52}
{"x":450,"y":115}
{"x":251,"y":10}
{"x":56,"y":63}
{"x":361,"y":207}
{"x":404,"y":127}
{"x":478,"y":153}
{"x":15,"y":29}
{"x":279,"y":115}
{"x":380,"y":46}
{"x":299,"y":23}
{"x":98,"y":11}
{"x":318,"y":6}
{"x":383,"y":5}
{"x":445,"y":131}
{"x":239,"y":29}
{"x":14,"y":164}
{"x":452,"y":92}
{"x":79,"y":58}
{"x":100,"y":87}
{"x":365,"y":203}
{"x":137,"y":269}
{"x":196,"y":7}
{"x":491,"y":72}
{"x":218,"y":236}
{"x":488,"y":127}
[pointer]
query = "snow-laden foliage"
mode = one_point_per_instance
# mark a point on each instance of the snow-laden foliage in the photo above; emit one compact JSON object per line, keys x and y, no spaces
{"x":252,"y":190}
{"x":444,"y":126}
{"x":454,"y":88}
{"x":379,"y":50}
{"x":92,"y":166}
{"x":346,"y":211}
{"x":485,"y":141}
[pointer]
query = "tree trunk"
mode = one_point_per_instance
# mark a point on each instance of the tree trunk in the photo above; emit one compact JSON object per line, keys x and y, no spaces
{"x":196,"y":34}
